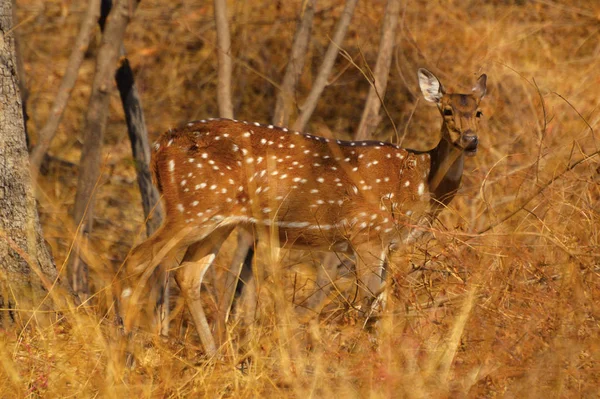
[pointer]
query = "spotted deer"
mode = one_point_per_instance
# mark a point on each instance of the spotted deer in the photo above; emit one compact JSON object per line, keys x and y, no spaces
{"x":361,"y":197}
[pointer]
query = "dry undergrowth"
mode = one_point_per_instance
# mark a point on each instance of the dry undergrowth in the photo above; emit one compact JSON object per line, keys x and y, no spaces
{"x":490,"y":307}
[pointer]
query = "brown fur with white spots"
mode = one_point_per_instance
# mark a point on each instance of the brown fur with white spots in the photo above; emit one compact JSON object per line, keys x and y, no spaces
{"x":321,"y":194}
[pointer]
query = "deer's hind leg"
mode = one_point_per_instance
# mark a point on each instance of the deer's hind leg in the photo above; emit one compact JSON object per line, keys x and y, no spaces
{"x":189,"y":275}
{"x":236,"y":276}
{"x":145,"y":269}
{"x":370,"y":274}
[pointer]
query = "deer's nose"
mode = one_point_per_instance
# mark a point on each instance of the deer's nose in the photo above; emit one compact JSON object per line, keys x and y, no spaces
{"x":470,"y":141}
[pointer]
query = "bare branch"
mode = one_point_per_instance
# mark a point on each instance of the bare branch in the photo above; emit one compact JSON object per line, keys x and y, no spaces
{"x":543,"y":187}
{"x":136,"y":129}
{"x":47,"y":132}
{"x":293,"y":71}
{"x":370,"y":117}
{"x":140,"y":147}
{"x":325,"y":70}
{"x":225,"y":64}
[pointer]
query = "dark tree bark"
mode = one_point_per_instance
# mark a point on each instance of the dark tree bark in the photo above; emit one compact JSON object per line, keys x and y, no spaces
{"x":140,"y":147}
{"x":27,"y":270}
{"x":91,"y":153}
{"x":136,"y":129}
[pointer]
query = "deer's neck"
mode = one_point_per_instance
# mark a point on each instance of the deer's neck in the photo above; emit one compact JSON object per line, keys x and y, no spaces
{"x":447,"y":162}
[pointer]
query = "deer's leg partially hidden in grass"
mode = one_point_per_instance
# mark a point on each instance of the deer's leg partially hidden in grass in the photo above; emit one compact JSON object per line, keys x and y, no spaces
{"x":198,"y":259}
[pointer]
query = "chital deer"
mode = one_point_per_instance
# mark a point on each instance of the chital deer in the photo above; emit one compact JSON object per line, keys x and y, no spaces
{"x":366,"y":197}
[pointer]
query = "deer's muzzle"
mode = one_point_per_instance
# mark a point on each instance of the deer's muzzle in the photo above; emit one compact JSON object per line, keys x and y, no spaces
{"x":469,"y":143}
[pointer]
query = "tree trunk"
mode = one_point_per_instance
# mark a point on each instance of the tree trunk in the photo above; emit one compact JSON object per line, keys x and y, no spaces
{"x":225,"y":64}
{"x":283,"y":105}
{"x":21,"y":75}
{"x":91,"y":153}
{"x":27,"y":270}
{"x":326,"y":66}
{"x":370,"y":117}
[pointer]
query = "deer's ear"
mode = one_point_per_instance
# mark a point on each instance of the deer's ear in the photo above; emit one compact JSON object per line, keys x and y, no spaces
{"x":480,"y":87}
{"x":431,"y":87}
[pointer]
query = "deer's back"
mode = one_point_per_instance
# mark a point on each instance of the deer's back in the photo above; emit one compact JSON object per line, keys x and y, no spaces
{"x":315,"y":191}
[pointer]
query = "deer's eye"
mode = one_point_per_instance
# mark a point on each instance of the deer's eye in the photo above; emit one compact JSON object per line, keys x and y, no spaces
{"x":447,"y":111}
{"x":479,"y":114}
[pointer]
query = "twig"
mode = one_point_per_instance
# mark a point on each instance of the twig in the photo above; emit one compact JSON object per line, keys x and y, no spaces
{"x":538,"y":192}
{"x":580,"y":116}
{"x":542,"y":131}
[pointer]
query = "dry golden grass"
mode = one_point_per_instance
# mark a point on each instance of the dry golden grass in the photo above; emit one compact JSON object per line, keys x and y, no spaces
{"x":490,"y":308}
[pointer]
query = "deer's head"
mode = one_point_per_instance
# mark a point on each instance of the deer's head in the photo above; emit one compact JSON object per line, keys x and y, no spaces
{"x":461,"y":112}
